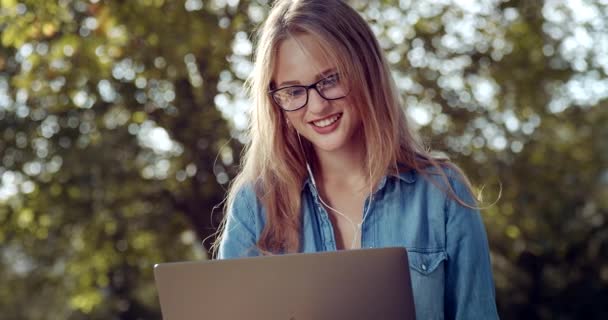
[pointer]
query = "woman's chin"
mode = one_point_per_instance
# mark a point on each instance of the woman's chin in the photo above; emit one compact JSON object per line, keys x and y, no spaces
{"x":328,"y":146}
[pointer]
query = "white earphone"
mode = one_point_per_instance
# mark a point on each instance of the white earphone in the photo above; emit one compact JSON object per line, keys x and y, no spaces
{"x":356,"y":227}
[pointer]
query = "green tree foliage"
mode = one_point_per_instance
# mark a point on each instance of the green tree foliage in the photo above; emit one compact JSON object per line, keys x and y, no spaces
{"x":110,"y":133}
{"x":121,"y":124}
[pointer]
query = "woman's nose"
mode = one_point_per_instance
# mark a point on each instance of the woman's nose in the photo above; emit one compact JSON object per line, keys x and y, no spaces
{"x":316,"y":103}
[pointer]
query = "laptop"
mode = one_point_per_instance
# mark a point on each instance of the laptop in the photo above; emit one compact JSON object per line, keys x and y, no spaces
{"x":350,"y":284}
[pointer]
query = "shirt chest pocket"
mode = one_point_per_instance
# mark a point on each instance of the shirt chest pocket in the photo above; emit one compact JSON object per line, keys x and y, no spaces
{"x":427,"y":272}
{"x":426,"y":263}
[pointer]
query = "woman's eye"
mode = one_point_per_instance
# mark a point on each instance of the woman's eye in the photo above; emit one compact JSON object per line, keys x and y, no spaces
{"x":330,"y":81}
{"x":296,"y":92}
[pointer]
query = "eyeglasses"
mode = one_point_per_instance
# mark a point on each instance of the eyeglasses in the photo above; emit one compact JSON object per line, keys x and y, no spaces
{"x":292,"y":98}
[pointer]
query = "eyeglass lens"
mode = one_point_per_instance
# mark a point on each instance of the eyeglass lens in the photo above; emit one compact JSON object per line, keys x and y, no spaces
{"x":295,"y":97}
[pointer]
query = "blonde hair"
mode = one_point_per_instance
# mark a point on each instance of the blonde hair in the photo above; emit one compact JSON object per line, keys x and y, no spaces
{"x":274,"y":162}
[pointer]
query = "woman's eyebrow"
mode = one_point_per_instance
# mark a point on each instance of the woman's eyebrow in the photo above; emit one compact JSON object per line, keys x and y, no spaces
{"x":319,"y":76}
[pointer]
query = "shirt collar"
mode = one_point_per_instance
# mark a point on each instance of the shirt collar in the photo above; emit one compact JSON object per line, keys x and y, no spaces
{"x":308,"y":182}
{"x":408,"y":176}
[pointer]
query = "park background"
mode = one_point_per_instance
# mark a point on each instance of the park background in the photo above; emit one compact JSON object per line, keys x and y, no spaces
{"x":121,"y":125}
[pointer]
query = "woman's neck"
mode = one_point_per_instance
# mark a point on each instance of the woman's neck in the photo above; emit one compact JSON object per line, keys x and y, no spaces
{"x":344,"y":167}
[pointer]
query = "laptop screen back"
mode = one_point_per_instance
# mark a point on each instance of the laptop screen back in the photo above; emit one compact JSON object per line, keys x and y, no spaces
{"x":353,"y":284}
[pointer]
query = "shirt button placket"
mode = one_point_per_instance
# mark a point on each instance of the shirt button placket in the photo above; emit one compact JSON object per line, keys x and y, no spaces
{"x":327,"y":235}
{"x":326,"y":225}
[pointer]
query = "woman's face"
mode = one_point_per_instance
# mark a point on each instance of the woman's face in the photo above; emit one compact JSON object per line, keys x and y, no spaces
{"x":330,"y":125}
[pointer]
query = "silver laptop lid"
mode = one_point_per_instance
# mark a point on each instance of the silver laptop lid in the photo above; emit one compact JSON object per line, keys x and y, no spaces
{"x":353,"y":284}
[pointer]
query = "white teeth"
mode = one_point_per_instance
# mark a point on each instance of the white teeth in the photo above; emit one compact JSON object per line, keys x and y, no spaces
{"x":327,"y":122}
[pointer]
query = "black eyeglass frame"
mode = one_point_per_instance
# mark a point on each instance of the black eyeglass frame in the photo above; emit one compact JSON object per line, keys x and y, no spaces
{"x":307,"y":88}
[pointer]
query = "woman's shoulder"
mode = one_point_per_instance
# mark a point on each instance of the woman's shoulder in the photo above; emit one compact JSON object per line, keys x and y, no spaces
{"x":439,"y":179}
{"x":245,"y":194}
{"x":435,"y":171}
{"x":244,"y":205}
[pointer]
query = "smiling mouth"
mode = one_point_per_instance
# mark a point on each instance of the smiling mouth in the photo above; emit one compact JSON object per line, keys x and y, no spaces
{"x":327,"y":121}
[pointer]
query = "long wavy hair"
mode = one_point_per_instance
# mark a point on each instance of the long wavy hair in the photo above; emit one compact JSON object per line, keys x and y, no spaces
{"x":274,"y":161}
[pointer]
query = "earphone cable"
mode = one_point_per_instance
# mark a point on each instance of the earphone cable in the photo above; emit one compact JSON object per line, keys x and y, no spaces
{"x":356,"y":227}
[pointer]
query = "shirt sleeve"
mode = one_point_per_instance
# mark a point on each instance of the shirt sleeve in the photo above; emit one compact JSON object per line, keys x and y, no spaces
{"x":239,"y":235}
{"x":469,"y":283}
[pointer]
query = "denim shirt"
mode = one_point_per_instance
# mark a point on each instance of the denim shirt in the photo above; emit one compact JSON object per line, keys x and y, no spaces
{"x":448,"y":253}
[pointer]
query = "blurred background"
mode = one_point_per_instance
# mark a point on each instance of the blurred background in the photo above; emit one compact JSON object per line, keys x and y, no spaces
{"x":121,"y":124}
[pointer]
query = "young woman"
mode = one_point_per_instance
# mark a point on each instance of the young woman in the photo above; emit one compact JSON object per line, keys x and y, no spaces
{"x":333,"y":165}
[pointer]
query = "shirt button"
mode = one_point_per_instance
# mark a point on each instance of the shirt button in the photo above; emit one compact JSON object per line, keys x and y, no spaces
{"x":423,"y":266}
